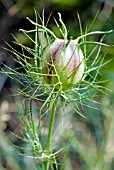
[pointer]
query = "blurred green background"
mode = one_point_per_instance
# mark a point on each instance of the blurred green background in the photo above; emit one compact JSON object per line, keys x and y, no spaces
{"x":92,"y":144}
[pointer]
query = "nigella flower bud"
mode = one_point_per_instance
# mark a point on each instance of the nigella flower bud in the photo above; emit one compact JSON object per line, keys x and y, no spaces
{"x":64,"y":64}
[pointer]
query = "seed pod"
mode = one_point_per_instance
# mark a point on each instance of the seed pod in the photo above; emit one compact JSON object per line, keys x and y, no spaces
{"x":64,"y":64}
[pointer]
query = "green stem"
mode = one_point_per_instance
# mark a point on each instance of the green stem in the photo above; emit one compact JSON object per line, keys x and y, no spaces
{"x":51,"y":129}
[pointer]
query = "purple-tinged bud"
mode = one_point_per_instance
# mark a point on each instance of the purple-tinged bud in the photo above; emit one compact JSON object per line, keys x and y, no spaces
{"x":64,"y":64}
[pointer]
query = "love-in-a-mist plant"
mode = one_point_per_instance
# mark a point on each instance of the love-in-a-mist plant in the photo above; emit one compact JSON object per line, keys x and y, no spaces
{"x":56,"y":71}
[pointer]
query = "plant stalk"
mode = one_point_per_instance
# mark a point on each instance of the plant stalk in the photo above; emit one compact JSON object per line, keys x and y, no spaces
{"x":51,"y":129}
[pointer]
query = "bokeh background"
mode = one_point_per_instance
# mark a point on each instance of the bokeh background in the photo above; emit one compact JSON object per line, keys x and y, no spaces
{"x":92,"y":144}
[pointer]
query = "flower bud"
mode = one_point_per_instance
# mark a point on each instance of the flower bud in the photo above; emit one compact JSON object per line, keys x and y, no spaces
{"x":64,"y":64}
